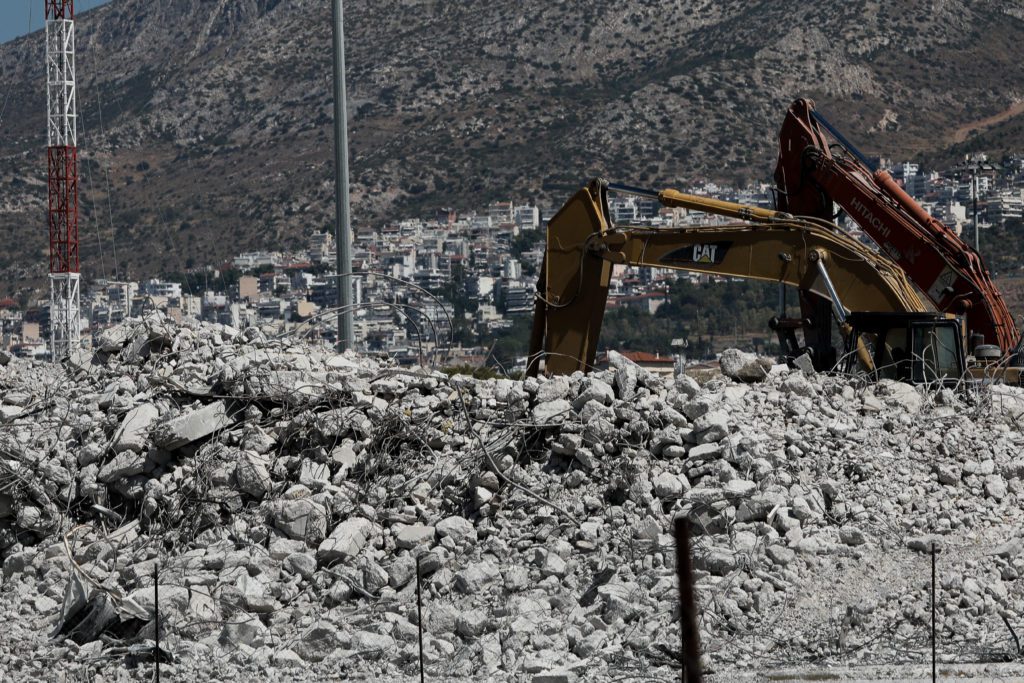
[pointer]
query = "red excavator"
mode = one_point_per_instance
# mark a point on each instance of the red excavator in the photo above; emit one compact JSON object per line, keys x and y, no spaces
{"x":814,"y":172}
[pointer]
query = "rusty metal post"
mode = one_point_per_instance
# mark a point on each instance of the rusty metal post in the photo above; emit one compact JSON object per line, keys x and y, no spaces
{"x":689,"y":654}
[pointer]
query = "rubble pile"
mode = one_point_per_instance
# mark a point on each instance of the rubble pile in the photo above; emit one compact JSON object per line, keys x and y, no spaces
{"x":284,"y":497}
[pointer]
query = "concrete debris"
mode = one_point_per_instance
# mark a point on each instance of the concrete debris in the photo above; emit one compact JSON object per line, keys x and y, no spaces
{"x":408,"y":537}
{"x":804,"y":363}
{"x":459,"y":529}
{"x":249,"y":632}
{"x":744,"y":367}
{"x":192,"y":426}
{"x":346,"y":541}
{"x":288,"y":495}
{"x":551,"y":412}
{"x":252,"y":474}
{"x":476,"y":577}
{"x":132,"y":435}
{"x":302,"y":520}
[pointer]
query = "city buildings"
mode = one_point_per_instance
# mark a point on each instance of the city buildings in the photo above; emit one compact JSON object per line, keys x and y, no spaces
{"x":426,"y":285}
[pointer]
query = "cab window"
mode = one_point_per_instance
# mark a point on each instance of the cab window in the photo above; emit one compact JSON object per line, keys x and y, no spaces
{"x":937,"y":349}
{"x":891,"y":355}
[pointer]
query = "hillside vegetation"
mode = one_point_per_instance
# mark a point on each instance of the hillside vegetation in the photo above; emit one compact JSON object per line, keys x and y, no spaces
{"x":206,"y":126}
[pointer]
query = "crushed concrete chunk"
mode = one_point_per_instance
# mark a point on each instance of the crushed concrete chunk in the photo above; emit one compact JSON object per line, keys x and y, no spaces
{"x":122,"y":465}
{"x":413,"y":535}
{"x":345,"y":542}
{"x":551,"y":412}
{"x":252,"y":474}
{"x":744,"y":367}
{"x":458,"y":528}
{"x":302,"y":519}
{"x":133,"y":434}
{"x":476,"y":577}
{"x":192,"y":426}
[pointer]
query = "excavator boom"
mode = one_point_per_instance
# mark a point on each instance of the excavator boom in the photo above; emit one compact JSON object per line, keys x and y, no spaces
{"x":583,"y":247}
{"x":810,"y":177}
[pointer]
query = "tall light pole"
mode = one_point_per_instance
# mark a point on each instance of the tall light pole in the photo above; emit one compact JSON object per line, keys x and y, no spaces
{"x":974,"y":197}
{"x":343,"y":223}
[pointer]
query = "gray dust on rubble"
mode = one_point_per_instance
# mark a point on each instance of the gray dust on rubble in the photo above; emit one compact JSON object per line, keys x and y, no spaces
{"x":287,"y":494}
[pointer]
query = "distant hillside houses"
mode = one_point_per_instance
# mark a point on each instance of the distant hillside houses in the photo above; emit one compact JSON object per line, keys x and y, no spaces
{"x":422,"y":284}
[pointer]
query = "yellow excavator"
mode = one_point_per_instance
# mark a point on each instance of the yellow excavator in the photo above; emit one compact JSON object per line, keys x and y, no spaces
{"x":888,"y":329}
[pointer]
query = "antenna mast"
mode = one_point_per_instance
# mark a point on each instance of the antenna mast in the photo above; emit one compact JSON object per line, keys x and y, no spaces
{"x":62,"y":163}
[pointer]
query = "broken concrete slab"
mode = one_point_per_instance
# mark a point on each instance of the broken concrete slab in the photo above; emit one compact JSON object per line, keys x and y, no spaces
{"x":192,"y":426}
{"x":346,"y":540}
{"x":133,"y":434}
{"x":302,"y":519}
{"x":413,"y":535}
{"x":122,"y":465}
{"x":252,"y":474}
{"x":744,"y":367}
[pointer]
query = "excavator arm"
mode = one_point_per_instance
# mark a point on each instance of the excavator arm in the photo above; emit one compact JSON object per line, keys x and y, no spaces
{"x":583,"y":247}
{"x":810,"y":176}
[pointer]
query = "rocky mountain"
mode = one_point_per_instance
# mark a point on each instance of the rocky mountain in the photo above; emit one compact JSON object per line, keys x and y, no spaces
{"x":206,"y":124}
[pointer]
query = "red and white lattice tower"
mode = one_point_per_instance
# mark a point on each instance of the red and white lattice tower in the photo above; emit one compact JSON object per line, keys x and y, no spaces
{"x":62,"y":156}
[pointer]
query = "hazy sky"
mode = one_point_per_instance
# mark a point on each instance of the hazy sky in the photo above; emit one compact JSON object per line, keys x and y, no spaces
{"x":15,"y":15}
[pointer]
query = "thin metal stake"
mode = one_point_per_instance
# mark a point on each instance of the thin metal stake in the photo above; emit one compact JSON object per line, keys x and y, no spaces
{"x":934,"y":673}
{"x":1013,"y":633}
{"x":156,"y":609}
{"x":689,"y":654}
{"x":419,"y":611}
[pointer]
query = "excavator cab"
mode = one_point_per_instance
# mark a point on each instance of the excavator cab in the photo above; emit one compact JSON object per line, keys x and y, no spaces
{"x":907,"y":347}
